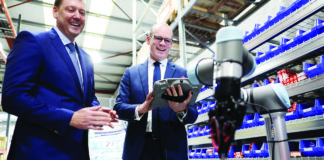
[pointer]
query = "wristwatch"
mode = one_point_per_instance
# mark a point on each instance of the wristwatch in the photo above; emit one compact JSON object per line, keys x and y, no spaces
{"x":181,"y":115}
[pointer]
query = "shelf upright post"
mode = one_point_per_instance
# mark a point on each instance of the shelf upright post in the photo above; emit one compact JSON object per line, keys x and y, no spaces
{"x":182,"y":35}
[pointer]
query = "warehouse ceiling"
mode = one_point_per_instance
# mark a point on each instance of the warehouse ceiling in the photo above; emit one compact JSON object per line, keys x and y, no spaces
{"x":107,"y":36}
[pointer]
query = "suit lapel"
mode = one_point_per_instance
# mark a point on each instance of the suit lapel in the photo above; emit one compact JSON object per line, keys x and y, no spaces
{"x":60,"y":48}
{"x":170,"y":69}
{"x":143,"y":73}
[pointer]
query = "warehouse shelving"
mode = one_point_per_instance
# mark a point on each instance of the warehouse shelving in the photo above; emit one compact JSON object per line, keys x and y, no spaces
{"x":290,"y":58}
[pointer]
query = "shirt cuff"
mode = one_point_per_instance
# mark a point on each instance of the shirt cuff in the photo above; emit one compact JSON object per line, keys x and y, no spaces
{"x":137,"y":116}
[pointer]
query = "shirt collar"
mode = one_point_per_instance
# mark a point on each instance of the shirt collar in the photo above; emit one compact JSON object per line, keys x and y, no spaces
{"x":163,"y":62}
{"x":63,"y":38}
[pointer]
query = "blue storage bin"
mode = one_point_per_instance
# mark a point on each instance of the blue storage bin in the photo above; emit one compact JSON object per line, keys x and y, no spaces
{"x":266,"y":24}
{"x":246,"y":37}
{"x":292,"y":115}
{"x":195,"y":131}
{"x":258,"y":119}
{"x":232,"y":150}
{"x":312,"y":70}
{"x":204,"y":108}
{"x":201,"y":131}
{"x":210,"y":153}
{"x":260,"y":150}
{"x":203,"y":154}
{"x":306,"y":110}
{"x":260,"y":57}
{"x":283,"y":46}
{"x":299,"y":39}
{"x":197,"y":153}
{"x":283,"y":12}
{"x":211,"y":105}
{"x":266,"y":82}
{"x":318,"y":26}
{"x":248,"y":121}
{"x":207,"y":130}
{"x":255,"y":85}
{"x":308,"y":148}
{"x":246,"y":152}
{"x":192,"y":153}
{"x":199,"y":109}
{"x":255,"y":31}
{"x":270,"y":52}
{"x":190,"y":132}
{"x":319,"y":105}
{"x":320,"y":146}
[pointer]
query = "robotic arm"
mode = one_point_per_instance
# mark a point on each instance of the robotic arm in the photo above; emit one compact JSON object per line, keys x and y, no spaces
{"x":230,"y":63}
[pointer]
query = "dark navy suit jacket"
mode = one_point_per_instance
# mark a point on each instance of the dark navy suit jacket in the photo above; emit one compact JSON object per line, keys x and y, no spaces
{"x":41,"y":87}
{"x":132,"y":92}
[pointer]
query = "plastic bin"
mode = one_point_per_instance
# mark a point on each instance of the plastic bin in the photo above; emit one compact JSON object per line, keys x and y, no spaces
{"x":319,"y":105}
{"x":260,"y":150}
{"x":258,"y":119}
{"x":320,"y":146}
{"x":235,"y":152}
{"x":211,"y":105}
{"x":204,"y":108}
{"x":312,"y":70}
{"x":201,"y":131}
{"x":190,"y":132}
{"x":283,"y":46}
{"x":318,"y":26}
{"x":266,"y":25}
{"x":266,"y":82}
{"x":197,"y":153}
{"x":307,"y":148}
{"x":192,"y":153}
{"x":260,"y":57}
{"x":296,"y":114}
{"x":207,"y":130}
{"x":203,"y":154}
{"x":211,"y":153}
{"x":246,"y":151}
{"x":270,"y":53}
{"x":195,"y":131}
{"x":294,"y":149}
{"x":306,"y":110}
{"x":248,"y":121}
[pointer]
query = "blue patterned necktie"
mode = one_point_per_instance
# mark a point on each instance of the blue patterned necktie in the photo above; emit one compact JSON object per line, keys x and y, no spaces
{"x":73,"y":55}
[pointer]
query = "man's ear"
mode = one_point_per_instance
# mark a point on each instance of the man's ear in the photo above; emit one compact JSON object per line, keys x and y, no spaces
{"x":55,"y":12}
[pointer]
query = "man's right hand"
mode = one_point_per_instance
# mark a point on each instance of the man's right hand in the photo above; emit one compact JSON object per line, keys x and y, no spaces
{"x":91,"y":118}
{"x":145,"y":107}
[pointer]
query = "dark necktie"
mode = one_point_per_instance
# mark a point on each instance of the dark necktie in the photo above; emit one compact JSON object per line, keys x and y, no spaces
{"x":73,"y":55}
{"x":157,"y":72}
{"x":155,"y":112}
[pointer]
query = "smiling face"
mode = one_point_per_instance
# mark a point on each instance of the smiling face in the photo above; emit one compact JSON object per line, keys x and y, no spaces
{"x":160,"y":42}
{"x":70,"y":18}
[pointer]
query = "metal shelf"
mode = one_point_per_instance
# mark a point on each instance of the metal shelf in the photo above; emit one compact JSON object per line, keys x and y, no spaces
{"x":306,"y":85}
{"x":286,"y":23}
{"x":294,"y":126}
{"x":287,"y":57}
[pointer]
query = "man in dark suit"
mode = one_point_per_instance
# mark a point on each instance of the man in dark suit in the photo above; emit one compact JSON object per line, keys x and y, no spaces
{"x":51,"y":92}
{"x":154,"y":134}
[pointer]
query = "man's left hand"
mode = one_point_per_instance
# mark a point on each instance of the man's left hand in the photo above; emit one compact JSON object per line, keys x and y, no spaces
{"x":176,"y":106}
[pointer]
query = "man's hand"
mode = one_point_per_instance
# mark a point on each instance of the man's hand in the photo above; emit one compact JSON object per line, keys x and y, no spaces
{"x":92,"y":118}
{"x":145,"y":107}
{"x":112,"y":115}
{"x":176,"y":106}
